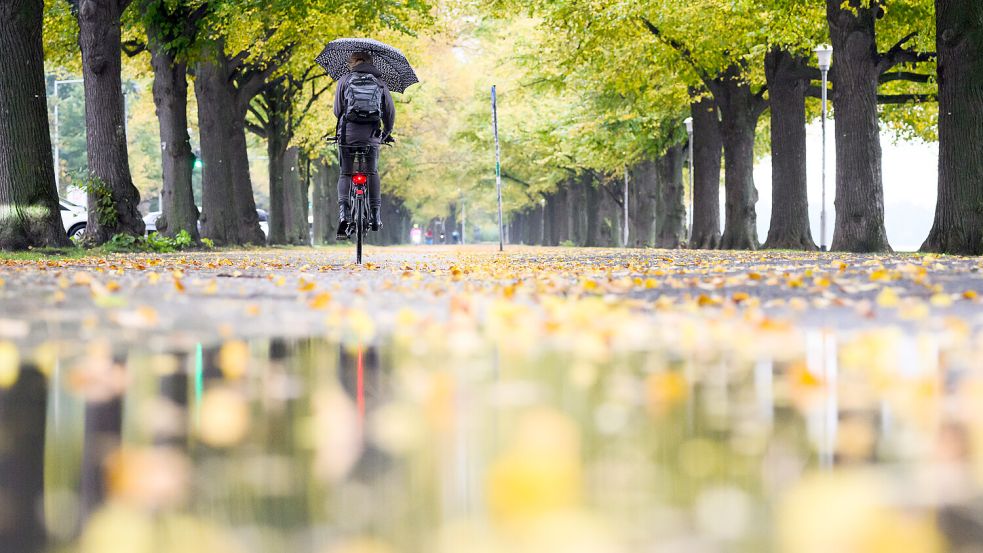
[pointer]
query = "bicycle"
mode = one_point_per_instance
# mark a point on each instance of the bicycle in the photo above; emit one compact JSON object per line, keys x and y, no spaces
{"x":358,"y":220}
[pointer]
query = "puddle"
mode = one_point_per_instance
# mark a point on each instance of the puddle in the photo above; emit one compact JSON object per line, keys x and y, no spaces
{"x":793,"y":442}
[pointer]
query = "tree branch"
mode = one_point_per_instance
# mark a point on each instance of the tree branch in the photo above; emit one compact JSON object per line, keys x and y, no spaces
{"x":889,"y":99}
{"x":905,"y":76}
{"x":618,"y":199}
{"x":681,"y":49}
{"x":133,"y":47}
{"x":260,"y":120}
{"x":256,"y":129}
{"x":898,"y":54}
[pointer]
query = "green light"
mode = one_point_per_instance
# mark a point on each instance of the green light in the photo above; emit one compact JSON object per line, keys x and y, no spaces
{"x":198,"y":163}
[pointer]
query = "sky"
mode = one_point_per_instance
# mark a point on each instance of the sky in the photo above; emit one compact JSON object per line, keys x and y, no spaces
{"x":910,"y":180}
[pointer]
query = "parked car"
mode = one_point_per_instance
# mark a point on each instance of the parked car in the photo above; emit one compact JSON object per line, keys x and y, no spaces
{"x":74,"y":218}
{"x":150,"y":222}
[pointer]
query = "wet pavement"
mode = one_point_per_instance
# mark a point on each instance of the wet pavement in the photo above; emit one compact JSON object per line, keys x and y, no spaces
{"x":459,"y":399}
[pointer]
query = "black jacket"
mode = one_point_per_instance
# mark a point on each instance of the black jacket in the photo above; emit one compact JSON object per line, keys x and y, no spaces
{"x":365,"y":133}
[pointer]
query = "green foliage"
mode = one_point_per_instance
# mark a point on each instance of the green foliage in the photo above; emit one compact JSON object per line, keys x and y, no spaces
{"x":96,"y":188}
{"x":153,"y":243}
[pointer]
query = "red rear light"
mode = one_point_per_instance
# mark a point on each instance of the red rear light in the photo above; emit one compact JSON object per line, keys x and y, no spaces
{"x":359,"y":178}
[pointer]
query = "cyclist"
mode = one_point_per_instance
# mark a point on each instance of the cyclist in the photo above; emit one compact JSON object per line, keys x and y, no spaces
{"x":366,"y":115}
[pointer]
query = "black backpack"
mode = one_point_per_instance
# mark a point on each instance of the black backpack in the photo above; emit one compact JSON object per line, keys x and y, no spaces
{"x":363,"y":99}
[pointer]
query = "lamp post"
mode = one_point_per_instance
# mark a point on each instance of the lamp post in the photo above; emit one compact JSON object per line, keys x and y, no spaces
{"x":825,"y":54}
{"x":692,"y":190}
{"x":624,"y":233}
{"x":58,"y":132}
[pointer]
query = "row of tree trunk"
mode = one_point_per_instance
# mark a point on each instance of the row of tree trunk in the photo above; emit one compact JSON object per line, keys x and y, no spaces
{"x":588,"y":210}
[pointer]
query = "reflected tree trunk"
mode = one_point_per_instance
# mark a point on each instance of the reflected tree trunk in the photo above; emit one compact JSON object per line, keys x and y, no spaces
{"x":102,"y":434}
{"x":23,"y":409}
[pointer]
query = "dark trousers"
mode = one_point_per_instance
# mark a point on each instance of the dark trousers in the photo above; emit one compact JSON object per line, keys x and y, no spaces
{"x":346,"y":158}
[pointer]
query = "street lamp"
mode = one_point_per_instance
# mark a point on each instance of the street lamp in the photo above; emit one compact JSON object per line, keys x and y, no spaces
{"x":825,"y":54}
{"x":57,"y":132}
{"x":692,"y":190}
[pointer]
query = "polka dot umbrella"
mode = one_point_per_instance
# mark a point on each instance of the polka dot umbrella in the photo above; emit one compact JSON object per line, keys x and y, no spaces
{"x":396,"y":70}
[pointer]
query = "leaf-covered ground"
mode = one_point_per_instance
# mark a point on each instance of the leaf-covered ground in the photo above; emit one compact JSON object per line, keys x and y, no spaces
{"x":306,"y":292}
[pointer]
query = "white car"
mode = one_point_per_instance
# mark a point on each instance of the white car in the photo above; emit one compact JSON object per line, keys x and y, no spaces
{"x":150,"y":221}
{"x":74,"y":218}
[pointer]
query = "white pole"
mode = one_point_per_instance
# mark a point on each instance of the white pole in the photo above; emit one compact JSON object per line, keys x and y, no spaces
{"x":498,"y":171}
{"x":57,"y":142}
{"x":625,"y":233}
{"x":464,"y":220}
{"x":692,"y":189}
{"x":822,"y":215}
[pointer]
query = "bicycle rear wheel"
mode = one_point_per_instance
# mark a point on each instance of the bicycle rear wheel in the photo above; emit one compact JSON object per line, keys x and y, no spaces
{"x":359,"y":228}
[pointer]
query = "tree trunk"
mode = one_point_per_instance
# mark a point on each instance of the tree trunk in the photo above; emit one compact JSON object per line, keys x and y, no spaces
{"x":707,"y":145}
{"x":23,"y":409}
{"x":29,"y":212}
{"x":295,"y":200}
{"x":642,"y":204}
{"x":739,"y":108}
{"x":105,"y":120}
{"x":670,"y":214}
{"x":170,"y":89}
{"x":859,"y":187}
{"x":958,"y":226}
{"x":325,"y":194}
{"x":276,"y":151}
{"x":592,"y":208}
{"x":228,"y":207}
{"x":789,"y":228}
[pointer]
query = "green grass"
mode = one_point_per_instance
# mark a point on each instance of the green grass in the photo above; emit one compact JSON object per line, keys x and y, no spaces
{"x":39,"y":254}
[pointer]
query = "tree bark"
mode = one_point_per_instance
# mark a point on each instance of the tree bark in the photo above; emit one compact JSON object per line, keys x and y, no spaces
{"x":295,"y":200}
{"x":789,"y":227}
{"x":958,"y":226}
{"x":670,"y":214}
{"x":277,"y":139}
{"x":228,"y":207}
{"x":740,"y":109}
{"x":23,"y":409}
{"x":325,"y":197}
{"x":170,"y":89}
{"x":592,"y":207}
{"x":29,"y":211}
{"x":859,"y":186}
{"x":105,"y":119}
{"x":642,"y":201}
{"x":707,"y":145}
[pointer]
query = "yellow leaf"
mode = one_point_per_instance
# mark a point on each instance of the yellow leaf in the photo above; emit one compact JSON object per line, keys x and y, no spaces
{"x":941,"y":300}
{"x":178,"y":285}
{"x":320,"y":301}
{"x":888,"y":298}
{"x":224,"y":418}
{"x":9,"y":364}
{"x":233,"y":359}
{"x":306,"y":285}
{"x":970,"y":295}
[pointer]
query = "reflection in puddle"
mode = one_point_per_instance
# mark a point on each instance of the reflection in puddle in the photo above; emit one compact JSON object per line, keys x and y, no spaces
{"x":311,"y":446}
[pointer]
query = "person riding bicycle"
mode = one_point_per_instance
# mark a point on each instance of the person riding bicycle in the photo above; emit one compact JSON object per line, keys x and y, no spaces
{"x":366,"y":115}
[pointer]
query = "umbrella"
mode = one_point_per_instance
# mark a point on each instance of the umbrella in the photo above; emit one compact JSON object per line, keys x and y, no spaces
{"x":396,"y":70}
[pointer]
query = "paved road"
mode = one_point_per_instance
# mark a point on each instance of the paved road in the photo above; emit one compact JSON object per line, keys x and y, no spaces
{"x":297,"y":292}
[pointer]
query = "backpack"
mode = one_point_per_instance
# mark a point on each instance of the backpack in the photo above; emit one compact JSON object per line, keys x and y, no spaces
{"x":363,"y":99}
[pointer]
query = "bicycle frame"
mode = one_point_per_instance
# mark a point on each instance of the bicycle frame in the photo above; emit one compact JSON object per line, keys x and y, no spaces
{"x":358,"y":198}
